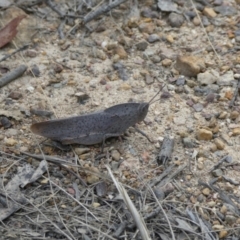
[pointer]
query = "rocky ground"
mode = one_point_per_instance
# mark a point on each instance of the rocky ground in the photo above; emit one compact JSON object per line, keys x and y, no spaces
{"x":76,"y":68}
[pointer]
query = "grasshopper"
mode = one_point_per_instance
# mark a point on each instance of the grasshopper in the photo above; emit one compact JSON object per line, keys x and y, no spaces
{"x":95,"y":127}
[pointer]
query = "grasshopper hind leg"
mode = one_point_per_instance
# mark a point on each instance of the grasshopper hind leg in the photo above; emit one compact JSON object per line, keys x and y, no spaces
{"x":108,"y":135}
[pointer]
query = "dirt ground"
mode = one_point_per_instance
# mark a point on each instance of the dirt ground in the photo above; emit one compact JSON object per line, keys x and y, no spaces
{"x":191,"y":50}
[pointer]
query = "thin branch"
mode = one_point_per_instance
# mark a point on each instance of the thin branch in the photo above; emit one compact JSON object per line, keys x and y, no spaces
{"x":101,"y":10}
{"x":16,"y":51}
{"x":213,"y":48}
{"x":14,"y":74}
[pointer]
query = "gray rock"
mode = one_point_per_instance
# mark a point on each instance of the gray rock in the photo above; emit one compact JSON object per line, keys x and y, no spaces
{"x":230,"y":219}
{"x":198,"y":107}
{"x":180,"y":81}
{"x":149,"y":53}
{"x":218,"y":2}
{"x":237,"y":38}
{"x":148,"y":13}
{"x":205,"y":21}
{"x":142,"y":46}
{"x":167,"y":53}
{"x":149,"y":79}
{"x":189,"y":143}
{"x":167,"y":6}
{"x":115,"y":155}
{"x":208,"y":77}
{"x":226,"y":79}
{"x":175,"y":20}
{"x":11,"y":132}
{"x":153,"y":38}
{"x":217,"y":173}
{"x":201,"y":198}
{"x":114,"y":165}
{"x":226,"y":10}
{"x":156,"y":59}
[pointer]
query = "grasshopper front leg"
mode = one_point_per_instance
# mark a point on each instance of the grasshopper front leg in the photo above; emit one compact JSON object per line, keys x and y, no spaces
{"x":143,"y":133}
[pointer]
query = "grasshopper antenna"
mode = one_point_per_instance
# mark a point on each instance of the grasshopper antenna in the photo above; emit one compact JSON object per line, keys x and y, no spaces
{"x":156,"y":95}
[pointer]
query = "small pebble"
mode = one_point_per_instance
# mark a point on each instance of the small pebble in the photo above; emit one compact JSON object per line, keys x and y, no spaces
{"x":115,"y":155}
{"x":180,"y":81}
{"x":226,"y":10}
{"x":209,"y":77}
{"x":209,"y":12}
{"x":148,"y":13}
{"x":146,"y":28}
{"x":210,"y":98}
{"x":149,"y":79}
{"x":223,"y":234}
{"x":223,"y":209}
{"x":5,"y":122}
{"x":188,"y":143}
{"x":35,"y":70}
{"x":211,"y":204}
{"x":198,"y":107}
{"x":201,"y":198}
{"x":91,"y":177}
{"x":213,"y":148}
{"x":236,"y":132}
{"x":234,"y":115}
{"x":223,"y":115}
{"x":203,"y":134}
{"x":196,"y":21}
{"x":120,"y":51}
{"x":167,"y":62}
{"x":15,"y":95}
{"x":30,"y":53}
{"x":10,"y":142}
{"x":96,"y":204}
{"x":219,"y":143}
{"x":125,"y":86}
{"x":133,"y":22}
{"x":175,"y":20}
{"x":82,"y":97}
{"x":191,"y":83}
{"x":153,"y":38}
{"x":218,"y":2}
{"x":189,"y":65}
{"x":217,"y":227}
{"x":156,"y":59}
{"x":142,"y":46}
{"x":170,"y":38}
{"x":200,"y":166}
{"x":206,"y":191}
{"x":80,"y":151}
{"x":213,"y":122}
{"x":217,"y":173}
{"x":230,"y":219}
{"x":57,"y":68}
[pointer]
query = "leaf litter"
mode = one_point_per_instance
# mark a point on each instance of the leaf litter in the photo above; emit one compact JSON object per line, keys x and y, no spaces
{"x":96,"y":210}
{"x":8,"y":32}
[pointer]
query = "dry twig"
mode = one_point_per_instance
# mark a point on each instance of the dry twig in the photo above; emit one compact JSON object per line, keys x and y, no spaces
{"x":136,"y":216}
{"x":101,"y":10}
{"x":14,"y":74}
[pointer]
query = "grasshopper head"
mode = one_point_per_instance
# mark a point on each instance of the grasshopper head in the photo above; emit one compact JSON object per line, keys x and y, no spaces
{"x":142,"y":111}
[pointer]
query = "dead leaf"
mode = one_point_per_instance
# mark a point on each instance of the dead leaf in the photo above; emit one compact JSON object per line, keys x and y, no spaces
{"x":10,"y":30}
{"x":12,"y":195}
